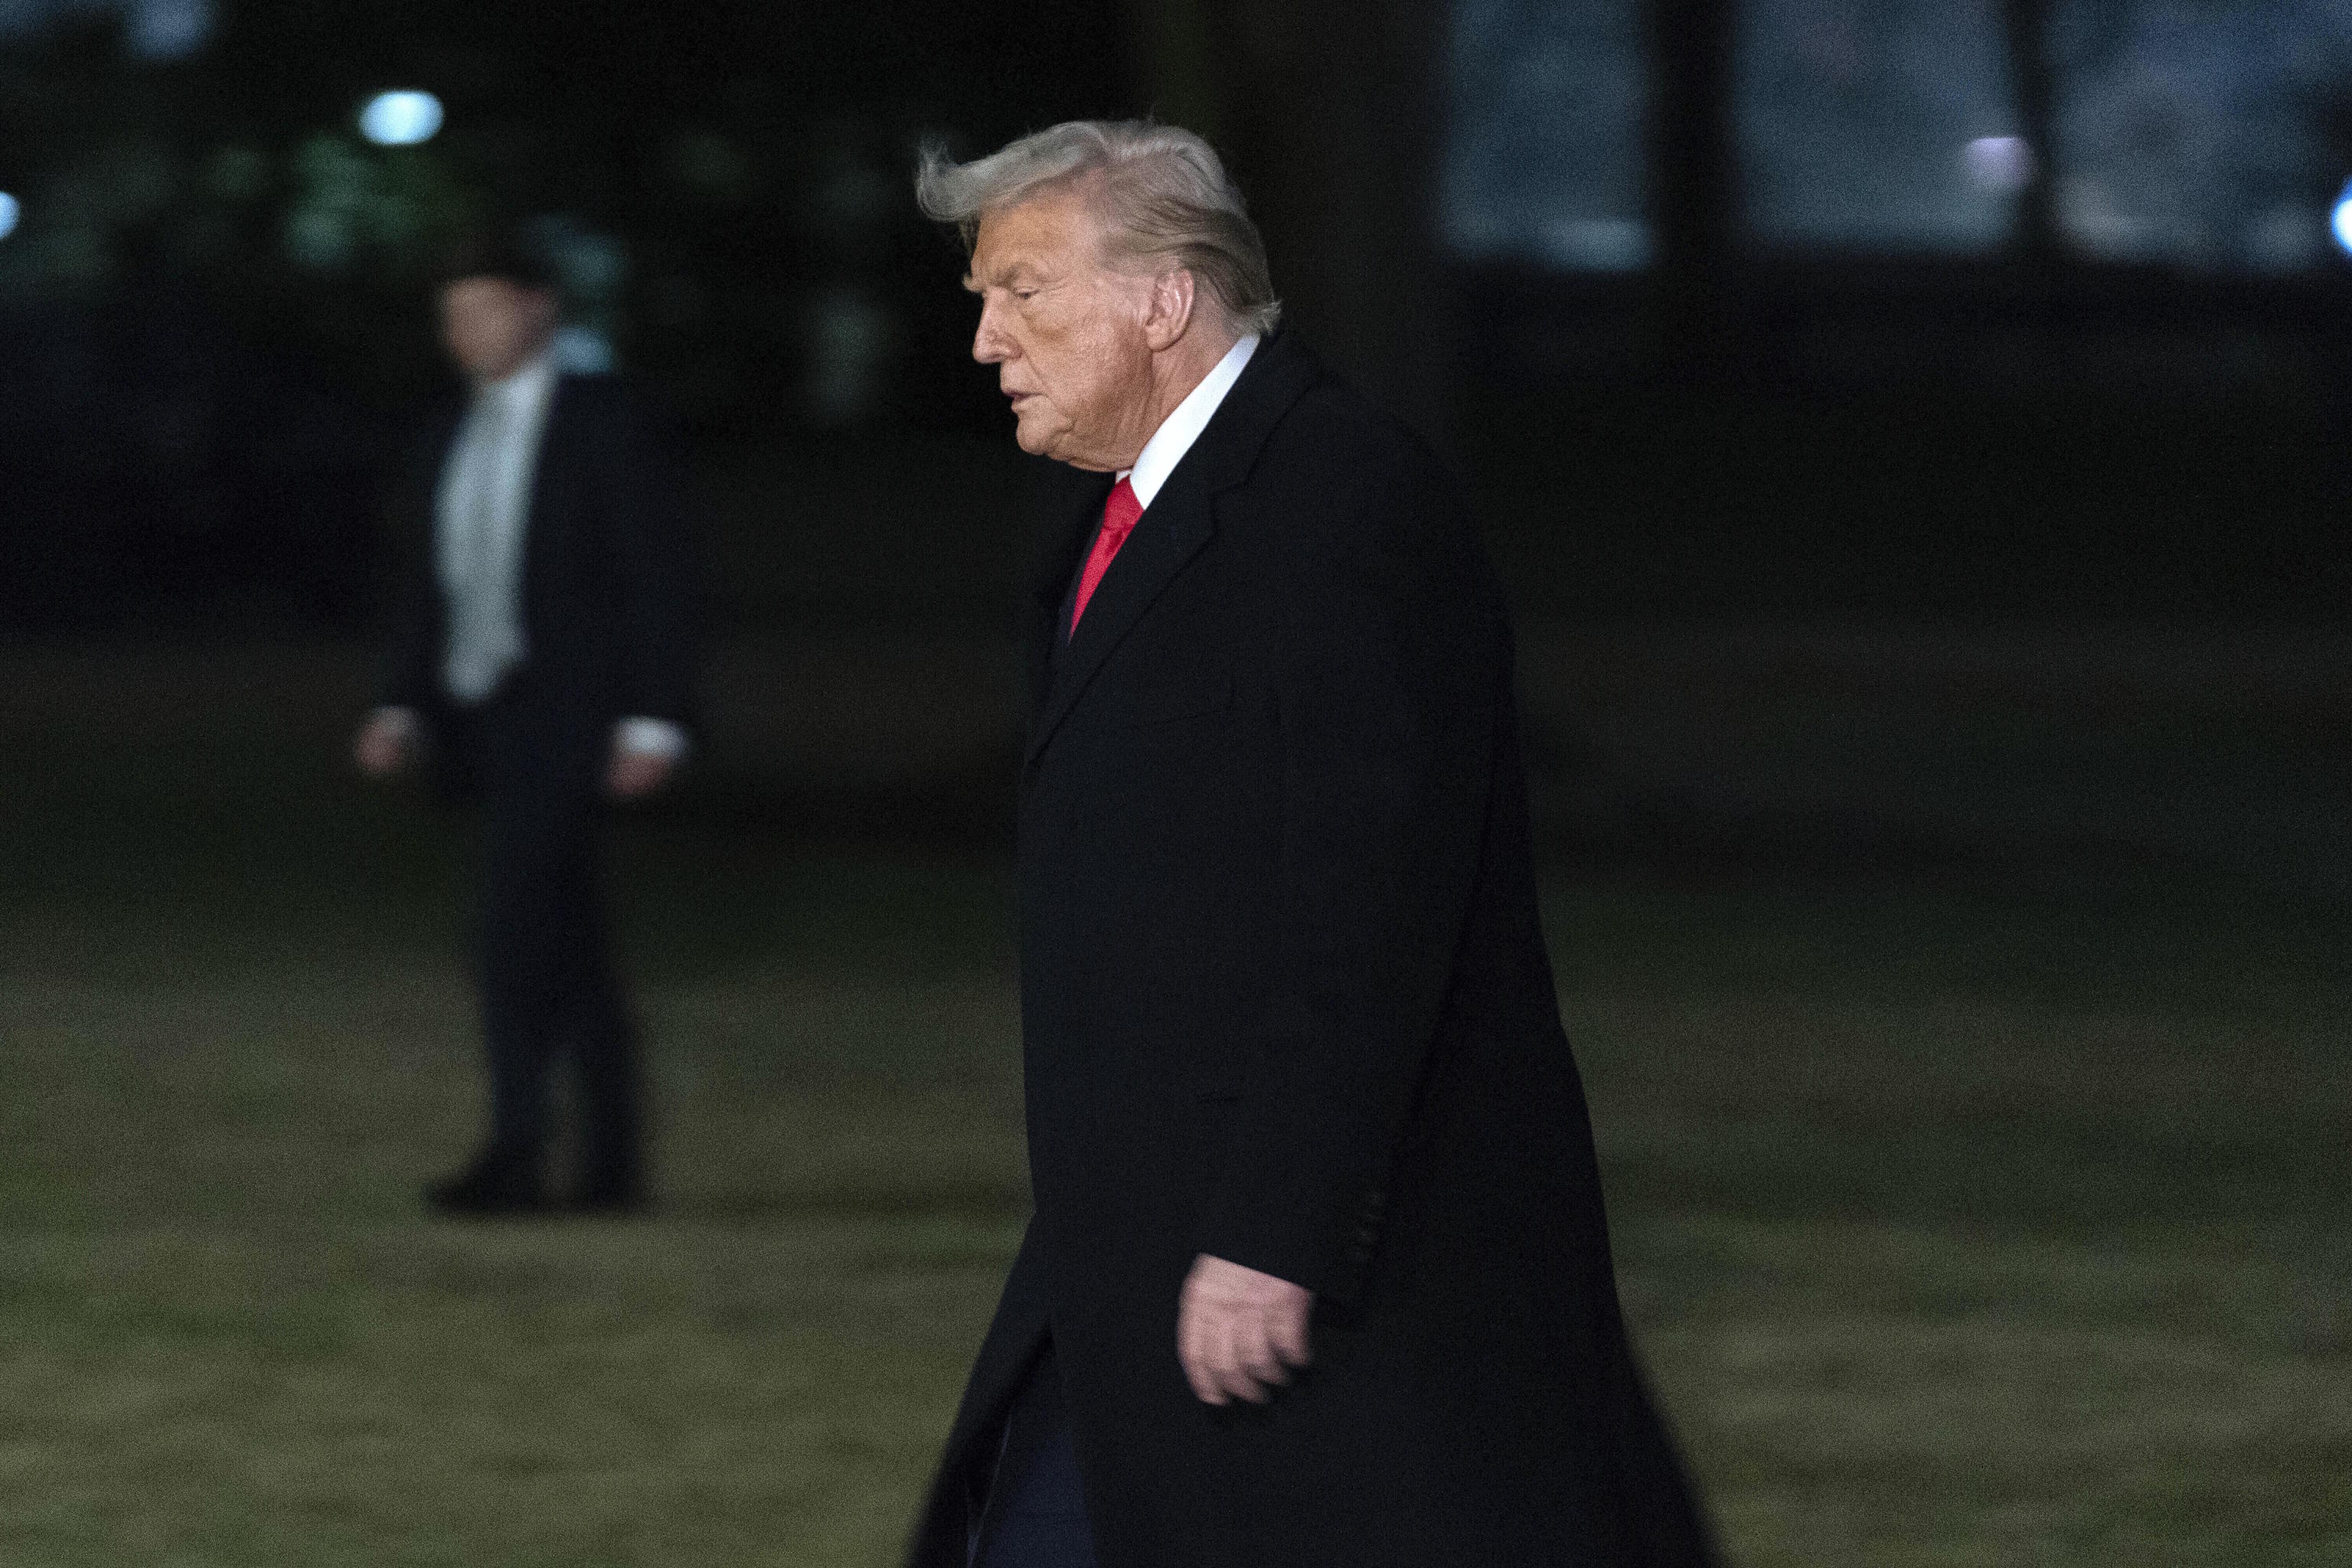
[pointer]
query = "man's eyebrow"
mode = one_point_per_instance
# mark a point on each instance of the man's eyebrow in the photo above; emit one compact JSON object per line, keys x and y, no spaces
{"x":1011,"y":276}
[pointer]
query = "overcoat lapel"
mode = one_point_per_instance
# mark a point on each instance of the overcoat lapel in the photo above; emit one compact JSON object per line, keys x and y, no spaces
{"x":418,"y":520}
{"x":429,"y":468}
{"x":555,"y":434}
{"x":1072,"y":504}
{"x":440,"y":446}
{"x":1165,"y":538}
{"x":1180,"y":520}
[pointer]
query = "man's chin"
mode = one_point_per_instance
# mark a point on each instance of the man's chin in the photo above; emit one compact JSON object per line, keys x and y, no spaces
{"x":1036,"y":441}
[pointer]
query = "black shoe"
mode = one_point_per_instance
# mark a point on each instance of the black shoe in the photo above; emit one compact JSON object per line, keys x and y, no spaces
{"x":489,"y":1187}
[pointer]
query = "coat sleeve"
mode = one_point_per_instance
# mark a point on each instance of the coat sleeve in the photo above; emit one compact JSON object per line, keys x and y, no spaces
{"x":1391,"y":657}
{"x":652,"y":548}
{"x":411,"y":675}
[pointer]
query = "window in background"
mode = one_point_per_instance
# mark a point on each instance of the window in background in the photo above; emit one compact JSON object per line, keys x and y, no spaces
{"x":1875,"y":125}
{"x":2199,"y":132}
{"x":1544,"y":152}
{"x":152,"y":29}
{"x":167,"y":29}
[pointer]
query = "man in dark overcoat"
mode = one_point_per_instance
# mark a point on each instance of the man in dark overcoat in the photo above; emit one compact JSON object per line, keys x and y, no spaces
{"x":541,"y":664}
{"x":1318,"y":1272}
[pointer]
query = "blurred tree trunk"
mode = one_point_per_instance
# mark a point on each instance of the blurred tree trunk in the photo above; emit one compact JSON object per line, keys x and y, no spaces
{"x":2025,"y":27}
{"x":1693,"y":189}
{"x":1330,"y":114}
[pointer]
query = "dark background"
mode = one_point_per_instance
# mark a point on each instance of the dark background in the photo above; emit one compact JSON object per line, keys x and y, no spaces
{"x":1934,"y":650}
{"x":215,"y":314}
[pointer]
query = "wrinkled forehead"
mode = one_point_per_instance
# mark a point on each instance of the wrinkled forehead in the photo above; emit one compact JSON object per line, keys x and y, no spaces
{"x":1052,"y":233}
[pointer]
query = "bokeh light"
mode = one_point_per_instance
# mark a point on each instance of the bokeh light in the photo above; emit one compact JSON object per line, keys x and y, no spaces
{"x":2003,"y":164}
{"x":10,"y":211}
{"x":2340,"y":220}
{"x":167,"y":29}
{"x":401,"y":119}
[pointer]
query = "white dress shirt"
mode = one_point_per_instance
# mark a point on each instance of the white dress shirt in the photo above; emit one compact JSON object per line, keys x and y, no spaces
{"x":1185,"y":422}
{"x":481,"y":521}
{"x":483,"y":510}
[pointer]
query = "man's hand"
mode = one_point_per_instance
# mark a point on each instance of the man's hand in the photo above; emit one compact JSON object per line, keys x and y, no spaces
{"x":386,"y":743}
{"x":1240,"y":1333}
{"x":632,"y":776}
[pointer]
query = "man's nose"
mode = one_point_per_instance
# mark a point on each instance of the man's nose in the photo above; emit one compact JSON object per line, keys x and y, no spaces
{"x":990,"y":344}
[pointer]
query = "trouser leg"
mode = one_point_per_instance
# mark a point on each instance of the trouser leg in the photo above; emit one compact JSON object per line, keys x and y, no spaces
{"x":541,"y":962}
{"x":603,"y":1040}
{"x":1035,"y":1514}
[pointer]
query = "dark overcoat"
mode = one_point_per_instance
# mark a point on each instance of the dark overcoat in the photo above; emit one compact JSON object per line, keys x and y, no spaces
{"x":1285,"y":1001}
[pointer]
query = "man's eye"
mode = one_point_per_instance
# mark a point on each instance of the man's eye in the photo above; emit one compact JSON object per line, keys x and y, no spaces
{"x":1023,"y":293}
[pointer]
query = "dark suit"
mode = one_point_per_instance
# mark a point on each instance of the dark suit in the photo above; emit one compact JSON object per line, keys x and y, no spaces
{"x":607,"y":606}
{"x":1286,"y":1002}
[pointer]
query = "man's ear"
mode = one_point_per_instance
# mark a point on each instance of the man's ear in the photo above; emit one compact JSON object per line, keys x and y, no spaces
{"x":1168,"y":311}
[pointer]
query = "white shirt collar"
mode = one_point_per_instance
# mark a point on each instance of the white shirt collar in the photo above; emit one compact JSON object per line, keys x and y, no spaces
{"x":525,"y":386}
{"x":1183,"y":425}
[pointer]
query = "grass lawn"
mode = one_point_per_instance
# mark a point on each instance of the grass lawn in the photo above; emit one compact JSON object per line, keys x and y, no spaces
{"x":1989,"y":1219}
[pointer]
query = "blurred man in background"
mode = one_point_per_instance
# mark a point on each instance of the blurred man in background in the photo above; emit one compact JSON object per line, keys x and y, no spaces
{"x":543,"y":665}
{"x":1319,"y":1273}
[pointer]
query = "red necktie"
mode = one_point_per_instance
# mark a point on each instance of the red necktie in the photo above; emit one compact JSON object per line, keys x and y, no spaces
{"x":1119,"y":513}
